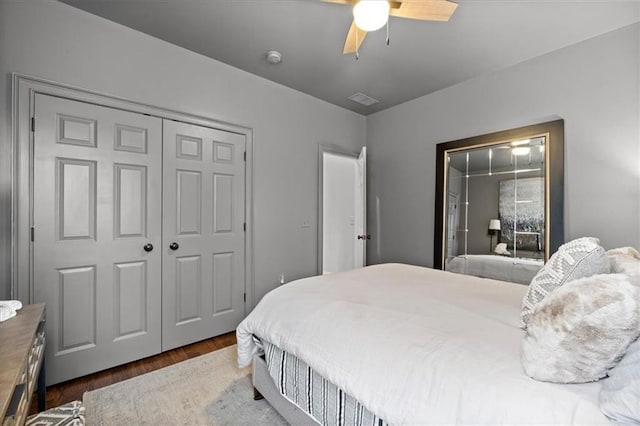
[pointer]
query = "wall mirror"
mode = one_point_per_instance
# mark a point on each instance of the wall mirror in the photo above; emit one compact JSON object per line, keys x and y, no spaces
{"x":499,"y":202}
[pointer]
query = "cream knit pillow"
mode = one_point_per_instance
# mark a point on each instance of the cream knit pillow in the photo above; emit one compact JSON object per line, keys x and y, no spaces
{"x":576,"y":259}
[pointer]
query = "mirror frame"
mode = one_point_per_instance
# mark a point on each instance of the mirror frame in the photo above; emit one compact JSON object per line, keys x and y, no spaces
{"x":553,"y":131}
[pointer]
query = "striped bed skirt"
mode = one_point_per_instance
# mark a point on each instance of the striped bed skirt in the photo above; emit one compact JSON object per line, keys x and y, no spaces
{"x":312,"y":393}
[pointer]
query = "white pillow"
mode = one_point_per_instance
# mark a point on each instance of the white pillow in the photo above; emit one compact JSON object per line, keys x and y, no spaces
{"x":501,"y":248}
{"x":576,"y":259}
{"x":625,"y":260}
{"x":620,"y":393}
{"x":582,"y":329}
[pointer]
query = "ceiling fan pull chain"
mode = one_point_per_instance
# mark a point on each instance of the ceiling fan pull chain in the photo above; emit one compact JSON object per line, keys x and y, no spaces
{"x":357,"y":45}
{"x":387,"y":32}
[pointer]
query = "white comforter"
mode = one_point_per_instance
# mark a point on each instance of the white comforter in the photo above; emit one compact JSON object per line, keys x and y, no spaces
{"x":416,"y":346}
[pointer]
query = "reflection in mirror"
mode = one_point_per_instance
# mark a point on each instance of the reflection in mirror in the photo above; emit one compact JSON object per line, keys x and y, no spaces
{"x":494,"y":205}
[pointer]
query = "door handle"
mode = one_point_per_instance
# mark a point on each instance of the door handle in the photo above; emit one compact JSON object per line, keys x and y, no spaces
{"x":174,"y":246}
{"x":364,"y":237}
{"x":148,"y":247}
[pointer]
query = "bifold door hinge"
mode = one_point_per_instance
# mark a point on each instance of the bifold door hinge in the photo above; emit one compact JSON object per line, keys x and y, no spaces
{"x":245,"y":297}
{"x":245,"y":156}
{"x":33,"y":233}
{"x":244,"y":227}
{"x":33,"y":124}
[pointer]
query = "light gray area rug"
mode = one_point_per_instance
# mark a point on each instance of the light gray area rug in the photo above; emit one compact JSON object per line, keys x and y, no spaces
{"x":207,"y":390}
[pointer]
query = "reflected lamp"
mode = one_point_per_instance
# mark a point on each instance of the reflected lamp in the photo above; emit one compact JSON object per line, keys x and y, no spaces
{"x":494,"y":227}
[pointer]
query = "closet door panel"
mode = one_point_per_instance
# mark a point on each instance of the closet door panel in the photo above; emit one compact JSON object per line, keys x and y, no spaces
{"x":130,"y":201}
{"x":203,"y":233}
{"x":188,"y":193}
{"x":96,"y":204}
{"x":130,"y":299}
{"x":188,"y":284}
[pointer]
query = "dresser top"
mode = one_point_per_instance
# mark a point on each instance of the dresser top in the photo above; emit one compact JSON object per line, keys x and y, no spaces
{"x":16,"y":339}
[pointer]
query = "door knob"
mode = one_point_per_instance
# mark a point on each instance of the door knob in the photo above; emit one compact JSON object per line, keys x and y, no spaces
{"x":174,"y":246}
{"x":148,"y":247}
{"x":364,"y":237}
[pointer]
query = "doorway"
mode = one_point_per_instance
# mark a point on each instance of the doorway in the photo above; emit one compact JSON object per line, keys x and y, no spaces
{"x":342,"y":210}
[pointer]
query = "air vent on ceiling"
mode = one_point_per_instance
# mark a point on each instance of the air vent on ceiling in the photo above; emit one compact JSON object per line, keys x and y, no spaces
{"x":363,"y":99}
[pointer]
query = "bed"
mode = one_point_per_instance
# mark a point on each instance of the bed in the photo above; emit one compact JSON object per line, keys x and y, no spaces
{"x":503,"y":268}
{"x":400,"y":344}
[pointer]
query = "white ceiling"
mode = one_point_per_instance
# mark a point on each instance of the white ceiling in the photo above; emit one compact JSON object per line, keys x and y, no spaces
{"x":423,"y":57}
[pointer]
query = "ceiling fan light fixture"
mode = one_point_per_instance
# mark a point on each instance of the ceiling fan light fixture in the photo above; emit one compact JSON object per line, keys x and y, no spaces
{"x":521,"y":150}
{"x":371,"y":15}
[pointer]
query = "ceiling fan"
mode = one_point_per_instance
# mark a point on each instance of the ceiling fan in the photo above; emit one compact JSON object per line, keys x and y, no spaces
{"x":371,"y":15}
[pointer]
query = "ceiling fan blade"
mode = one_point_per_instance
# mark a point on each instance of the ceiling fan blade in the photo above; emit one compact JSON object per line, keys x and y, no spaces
{"x":425,"y":10}
{"x":350,"y":45}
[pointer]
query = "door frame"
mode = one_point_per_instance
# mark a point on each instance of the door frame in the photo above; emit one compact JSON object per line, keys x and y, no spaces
{"x":23,"y":91}
{"x":325,"y":148}
{"x":456,"y":221}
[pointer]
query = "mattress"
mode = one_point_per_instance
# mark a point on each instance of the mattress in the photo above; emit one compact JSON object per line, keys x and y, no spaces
{"x":513,"y":269}
{"x":416,"y":346}
{"x":317,"y":396}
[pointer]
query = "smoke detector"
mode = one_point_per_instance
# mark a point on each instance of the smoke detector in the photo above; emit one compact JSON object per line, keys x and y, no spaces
{"x":274,"y":57}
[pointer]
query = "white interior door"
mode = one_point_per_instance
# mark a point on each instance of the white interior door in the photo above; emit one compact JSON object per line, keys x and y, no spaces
{"x":96,"y":249}
{"x":203,"y":233}
{"x":343,"y":211}
{"x":361,"y":209}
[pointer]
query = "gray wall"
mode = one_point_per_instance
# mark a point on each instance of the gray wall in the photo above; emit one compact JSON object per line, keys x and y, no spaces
{"x":51,"y":40}
{"x":592,"y":85}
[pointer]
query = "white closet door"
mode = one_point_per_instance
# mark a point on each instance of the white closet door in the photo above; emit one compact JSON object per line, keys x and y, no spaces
{"x":96,"y":205}
{"x":203,"y":233}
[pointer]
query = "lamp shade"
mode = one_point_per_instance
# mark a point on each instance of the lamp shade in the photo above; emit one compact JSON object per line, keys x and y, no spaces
{"x":371,"y":15}
{"x":494,"y":225}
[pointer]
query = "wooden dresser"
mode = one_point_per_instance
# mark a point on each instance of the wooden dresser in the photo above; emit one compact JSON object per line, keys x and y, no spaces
{"x":21,"y":364}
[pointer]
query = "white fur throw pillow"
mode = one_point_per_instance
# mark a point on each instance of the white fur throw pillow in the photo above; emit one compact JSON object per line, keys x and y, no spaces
{"x":625,"y":260}
{"x":576,"y":259}
{"x":582,"y":329}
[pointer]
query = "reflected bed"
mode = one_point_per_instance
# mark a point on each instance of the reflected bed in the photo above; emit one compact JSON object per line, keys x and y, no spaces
{"x":503,"y":268}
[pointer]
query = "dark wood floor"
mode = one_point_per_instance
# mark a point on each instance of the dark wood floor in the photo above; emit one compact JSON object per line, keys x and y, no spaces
{"x":73,"y":389}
